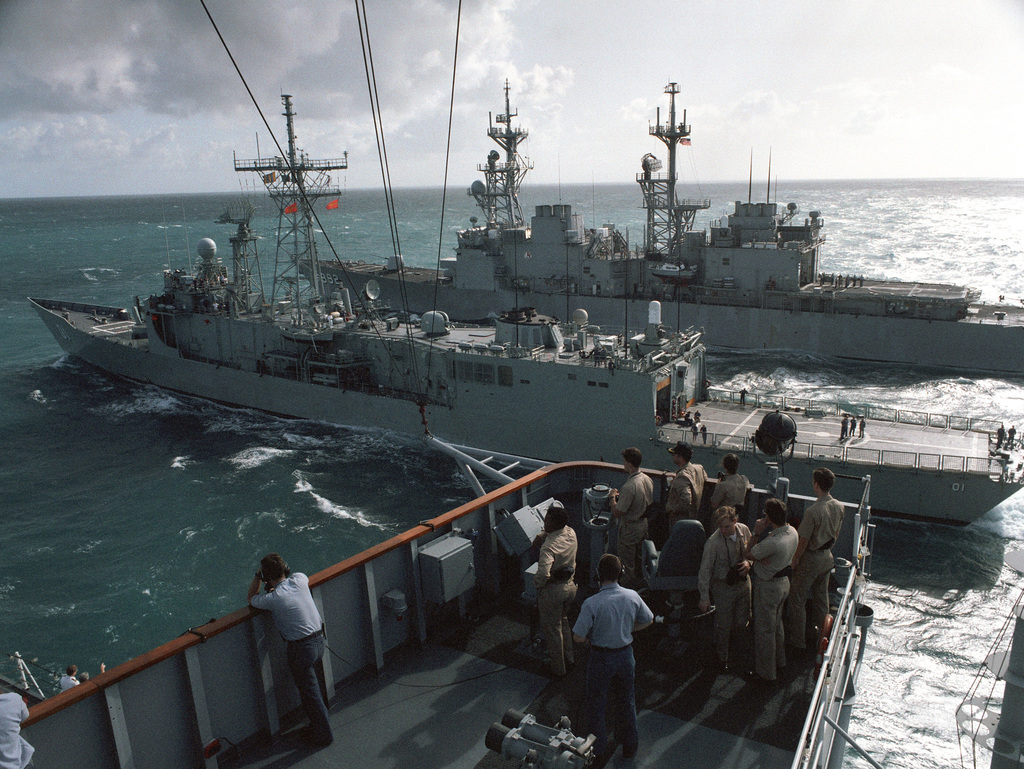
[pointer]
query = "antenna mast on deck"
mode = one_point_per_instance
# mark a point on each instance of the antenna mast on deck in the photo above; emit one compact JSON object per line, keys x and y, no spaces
{"x":295,"y":184}
{"x":498,"y":196}
{"x":247,"y":280}
{"x":667,"y":216}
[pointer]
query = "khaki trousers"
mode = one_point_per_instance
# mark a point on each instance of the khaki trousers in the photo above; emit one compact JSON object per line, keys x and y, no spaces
{"x":810,"y":581}
{"x":631,"y":537}
{"x":553,"y":602}
{"x":769,"y":634}
{"x":732,"y":612}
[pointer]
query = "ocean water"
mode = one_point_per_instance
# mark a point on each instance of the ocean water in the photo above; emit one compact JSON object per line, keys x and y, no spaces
{"x":128,"y":515}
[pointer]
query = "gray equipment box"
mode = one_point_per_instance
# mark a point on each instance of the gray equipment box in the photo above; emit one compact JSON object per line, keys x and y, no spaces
{"x":446,"y":569}
{"x":517,"y":530}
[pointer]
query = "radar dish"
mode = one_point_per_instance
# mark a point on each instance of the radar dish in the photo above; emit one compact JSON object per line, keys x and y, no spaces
{"x":477,"y":188}
{"x":649,"y":163}
{"x":206,"y":248}
{"x":580,"y":317}
{"x":776,"y":435}
{"x":493,"y":156}
{"x":372,"y":289}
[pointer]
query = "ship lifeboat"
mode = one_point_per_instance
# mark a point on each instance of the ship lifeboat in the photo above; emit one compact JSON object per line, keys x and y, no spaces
{"x":674,"y":274}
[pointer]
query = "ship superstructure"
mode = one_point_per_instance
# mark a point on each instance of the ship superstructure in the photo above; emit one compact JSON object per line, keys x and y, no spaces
{"x":754,"y":279}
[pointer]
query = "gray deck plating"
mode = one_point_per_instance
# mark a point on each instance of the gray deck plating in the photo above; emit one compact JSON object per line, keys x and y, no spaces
{"x":432,"y":707}
{"x":734,"y":420}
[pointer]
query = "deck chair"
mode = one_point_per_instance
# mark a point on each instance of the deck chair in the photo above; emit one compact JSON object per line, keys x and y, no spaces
{"x":676,"y":567}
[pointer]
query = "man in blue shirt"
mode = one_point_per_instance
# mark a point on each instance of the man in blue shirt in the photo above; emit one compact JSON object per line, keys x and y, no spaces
{"x":290,"y":603}
{"x":607,"y":622}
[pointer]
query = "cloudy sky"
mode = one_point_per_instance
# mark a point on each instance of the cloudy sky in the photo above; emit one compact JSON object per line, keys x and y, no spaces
{"x":138,"y":96}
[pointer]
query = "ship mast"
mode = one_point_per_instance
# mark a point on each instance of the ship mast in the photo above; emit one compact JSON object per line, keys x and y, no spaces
{"x":295,"y":183}
{"x":667,"y":216}
{"x":498,"y":197}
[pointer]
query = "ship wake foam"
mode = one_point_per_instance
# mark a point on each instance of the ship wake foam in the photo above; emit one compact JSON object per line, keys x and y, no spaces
{"x":302,"y":486}
{"x":258,"y":456}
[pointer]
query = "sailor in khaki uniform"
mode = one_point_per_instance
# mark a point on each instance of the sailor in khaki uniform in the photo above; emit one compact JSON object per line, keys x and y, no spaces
{"x":556,"y":588}
{"x":813,"y":561}
{"x":724,"y":576}
{"x":771,"y":568}
{"x":687,"y":487}
{"x":629,"y":505}
{"x":731,"y":490}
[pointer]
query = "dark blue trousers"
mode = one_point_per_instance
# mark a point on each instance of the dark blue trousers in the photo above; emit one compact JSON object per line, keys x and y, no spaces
{"x":302,"y":658}
{"x":610,"y":676}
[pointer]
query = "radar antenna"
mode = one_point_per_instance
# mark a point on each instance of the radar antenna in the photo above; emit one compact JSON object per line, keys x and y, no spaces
{"x":246,"y":278}
{"x":498,"y":194}
{"x":667,"y":216}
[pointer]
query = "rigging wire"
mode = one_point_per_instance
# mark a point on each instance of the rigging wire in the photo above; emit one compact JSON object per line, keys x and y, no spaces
{"x":385,"y":169}
{"x":447,"y":158}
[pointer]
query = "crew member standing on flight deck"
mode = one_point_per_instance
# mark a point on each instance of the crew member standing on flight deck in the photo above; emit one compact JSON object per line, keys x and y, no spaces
{"x":771,"y":569}
{"x":731,"y":489}
{"x":556,"y":589}
{"x":607,"y":622}
{"x":687,"y":487}
{"x":629,"y":507}
{"x":813,"y":561}
{"x":297,"y":619}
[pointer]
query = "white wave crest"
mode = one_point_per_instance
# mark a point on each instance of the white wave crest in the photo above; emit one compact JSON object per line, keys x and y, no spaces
{"x":146,"y":401}
{"x":255,"y":457}
{"x":37,"y":396}
{"x":180,"y":463}
{"x":324,"y":505}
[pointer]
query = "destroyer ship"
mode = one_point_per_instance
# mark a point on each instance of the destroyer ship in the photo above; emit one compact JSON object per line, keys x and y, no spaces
{"x":524,"y":385}
{"x":753,"y":279}
{"x":432,"y":661}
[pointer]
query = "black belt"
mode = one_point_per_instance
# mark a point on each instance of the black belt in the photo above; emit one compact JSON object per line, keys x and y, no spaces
{"x":609,"y":649}
{"x":826,"y":546}
{"x":307,"y":637}
{"x":786,"y":571}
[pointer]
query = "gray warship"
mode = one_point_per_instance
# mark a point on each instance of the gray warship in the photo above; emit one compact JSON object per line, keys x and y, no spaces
{"x":524,"y":385}
{"x":300,"y":350}
{"x":754,"y":279}
{"x":433,"y":662}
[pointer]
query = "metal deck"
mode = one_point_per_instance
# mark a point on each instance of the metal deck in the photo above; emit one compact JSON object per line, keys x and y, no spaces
{"x":727,"y":421}
{"x":432,"y":707}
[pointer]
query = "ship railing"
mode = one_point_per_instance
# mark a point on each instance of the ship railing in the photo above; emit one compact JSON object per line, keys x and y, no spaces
{"x":835,"y":688}
{"x":866,"y":410}
{"x":948,"y":463}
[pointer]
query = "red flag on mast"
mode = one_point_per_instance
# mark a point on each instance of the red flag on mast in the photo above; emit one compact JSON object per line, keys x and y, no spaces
{"x":332,"y":204}
{"x":292,"y":208}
